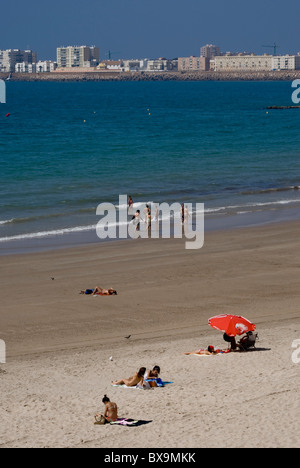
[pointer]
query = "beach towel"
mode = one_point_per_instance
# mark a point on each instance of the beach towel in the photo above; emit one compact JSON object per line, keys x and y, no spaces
{"x":158,"y":382}
{"x":129,"y":422}
{"x":140,"y":387}
{"x":136,"y":387}
{"x":209,"y":355}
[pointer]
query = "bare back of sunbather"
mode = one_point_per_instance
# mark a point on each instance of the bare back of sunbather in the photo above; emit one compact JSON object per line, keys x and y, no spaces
{"x":136,"y":379}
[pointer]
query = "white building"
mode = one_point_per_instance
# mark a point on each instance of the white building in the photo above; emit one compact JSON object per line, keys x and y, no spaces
{"x":112,"y":65}
{"x":286,"y":62}
{"x":162,"y":64}
{"x":156,"y":65}
{"x":134,"y":65}
{"x":244,"y":63}
{"x":25,"y":67}
{"x":45,"y":66}
{"x":253,"y":62}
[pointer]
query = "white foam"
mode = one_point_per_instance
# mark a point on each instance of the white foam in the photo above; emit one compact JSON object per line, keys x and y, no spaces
{"x":7,"y":221}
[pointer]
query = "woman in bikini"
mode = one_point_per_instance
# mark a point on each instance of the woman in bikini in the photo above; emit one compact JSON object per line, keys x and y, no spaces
{"x":110,"y":411}
{"x":210,"y":351}
{"x":152,"y":379}
{"x":100,"y":292}
{"x":137,"y":378}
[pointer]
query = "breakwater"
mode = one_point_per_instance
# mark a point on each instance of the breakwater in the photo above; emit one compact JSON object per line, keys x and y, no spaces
{"x":155,"y":76}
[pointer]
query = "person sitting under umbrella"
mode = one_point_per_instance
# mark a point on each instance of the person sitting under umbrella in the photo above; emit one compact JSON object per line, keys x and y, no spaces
{"x":232,"y":341}
{"x":231,"y":325}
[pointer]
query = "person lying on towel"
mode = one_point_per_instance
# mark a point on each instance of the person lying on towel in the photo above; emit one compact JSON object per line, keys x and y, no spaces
{"x":137,"y":378}
{"x":100,"y":292}
{"x":210,"y":351}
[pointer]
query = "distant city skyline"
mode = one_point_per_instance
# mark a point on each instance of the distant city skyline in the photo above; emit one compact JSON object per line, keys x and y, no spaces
{"x":137,"y":29}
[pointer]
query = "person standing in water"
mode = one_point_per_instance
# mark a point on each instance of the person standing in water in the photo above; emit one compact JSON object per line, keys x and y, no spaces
{"x":130,"y":205}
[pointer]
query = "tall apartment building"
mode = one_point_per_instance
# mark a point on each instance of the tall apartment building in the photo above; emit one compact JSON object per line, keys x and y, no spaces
{"x":9,"y":58}
{"x":74,"y":56}
{"x":209,"y":51}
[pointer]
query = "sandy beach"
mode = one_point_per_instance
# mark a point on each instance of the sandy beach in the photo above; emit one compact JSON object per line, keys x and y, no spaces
{"x":59,"y":342}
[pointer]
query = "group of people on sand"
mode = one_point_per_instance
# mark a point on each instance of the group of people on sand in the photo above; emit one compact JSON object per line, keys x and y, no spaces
{"x":148,"y":379}
{"x":142,"y":379}
{"x":243,"y":345}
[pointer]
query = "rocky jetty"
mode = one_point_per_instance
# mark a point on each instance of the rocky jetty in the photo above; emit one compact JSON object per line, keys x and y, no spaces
{"x":155,"y":76}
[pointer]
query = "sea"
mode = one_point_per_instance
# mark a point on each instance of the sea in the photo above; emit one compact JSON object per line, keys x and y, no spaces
{"x":66,"y":147}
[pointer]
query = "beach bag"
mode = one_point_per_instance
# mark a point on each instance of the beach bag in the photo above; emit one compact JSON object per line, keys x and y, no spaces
{"x":100,"y":420}
{"x":88,"y":291}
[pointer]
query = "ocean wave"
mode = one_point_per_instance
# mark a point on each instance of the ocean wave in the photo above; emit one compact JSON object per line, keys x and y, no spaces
{"x":248,"y":206}
{"x":6,"y":221}
{"x":56,"y":232}
{"x":217,"y":211}
{"x":271,"y":190}
{"x":30,"y":219}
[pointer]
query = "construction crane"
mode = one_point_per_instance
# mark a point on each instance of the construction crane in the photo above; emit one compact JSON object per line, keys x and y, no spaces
{"x":109,"y":54}
{"x":274,"y":47}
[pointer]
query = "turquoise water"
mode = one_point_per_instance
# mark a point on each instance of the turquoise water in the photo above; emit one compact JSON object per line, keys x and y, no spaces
{"x":66,"y":147}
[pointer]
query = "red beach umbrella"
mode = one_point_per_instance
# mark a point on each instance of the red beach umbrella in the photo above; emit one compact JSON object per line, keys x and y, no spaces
{"x":232,"y":325}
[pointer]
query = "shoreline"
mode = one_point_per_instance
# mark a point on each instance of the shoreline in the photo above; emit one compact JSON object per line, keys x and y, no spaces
{"x":282,"y":75}
{"x":87,"y":238}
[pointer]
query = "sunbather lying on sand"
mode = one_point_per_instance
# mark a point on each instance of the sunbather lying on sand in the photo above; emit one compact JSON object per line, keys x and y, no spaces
{"x":208,"y":352}
{"x":100,"y":292}
{"x":137,"y":378}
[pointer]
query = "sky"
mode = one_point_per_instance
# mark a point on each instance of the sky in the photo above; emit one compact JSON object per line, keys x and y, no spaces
{"x":150,"y":28}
